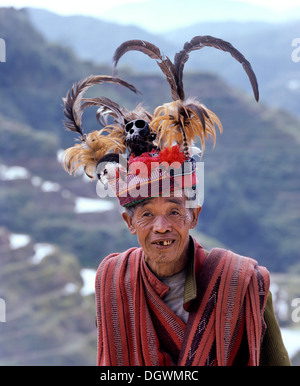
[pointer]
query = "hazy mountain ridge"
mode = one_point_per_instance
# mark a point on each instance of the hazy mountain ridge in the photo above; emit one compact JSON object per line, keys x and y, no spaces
{"x":268,"y":46}
{"x":155,"y":15}
{"x":90,"y":38}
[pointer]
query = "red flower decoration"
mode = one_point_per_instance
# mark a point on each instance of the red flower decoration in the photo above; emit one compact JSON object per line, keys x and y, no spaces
{"x":140,"y":162}
{"x":168,"y":155}
{"x":172,"y":154}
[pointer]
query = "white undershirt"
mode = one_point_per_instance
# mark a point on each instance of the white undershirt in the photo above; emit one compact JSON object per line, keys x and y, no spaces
{"x":174,"y":297}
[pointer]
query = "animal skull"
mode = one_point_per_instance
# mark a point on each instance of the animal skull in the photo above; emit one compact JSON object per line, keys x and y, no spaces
{"x":136,"y":129}
{"x":138,"y":137}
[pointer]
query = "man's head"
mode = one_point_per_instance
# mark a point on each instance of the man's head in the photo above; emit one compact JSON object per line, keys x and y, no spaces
{"x":162,"y":227}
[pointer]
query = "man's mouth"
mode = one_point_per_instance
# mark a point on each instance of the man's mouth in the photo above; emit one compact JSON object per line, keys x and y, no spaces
{"x":164,"y":242}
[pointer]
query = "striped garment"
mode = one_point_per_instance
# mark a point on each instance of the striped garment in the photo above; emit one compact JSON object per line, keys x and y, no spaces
{"x":136,"y":328}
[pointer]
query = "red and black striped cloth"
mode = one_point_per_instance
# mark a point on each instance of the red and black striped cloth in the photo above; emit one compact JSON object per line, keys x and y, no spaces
{"x":136,"y":328}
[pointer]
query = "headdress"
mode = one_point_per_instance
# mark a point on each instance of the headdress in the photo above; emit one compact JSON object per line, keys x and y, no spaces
{"x":155,"y":142}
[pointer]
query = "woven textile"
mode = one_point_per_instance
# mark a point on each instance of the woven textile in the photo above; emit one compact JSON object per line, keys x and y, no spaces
{"x":136,"y":328}
{"x":153,"y":178}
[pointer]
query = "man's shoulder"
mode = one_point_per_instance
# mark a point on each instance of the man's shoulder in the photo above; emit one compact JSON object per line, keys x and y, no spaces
{"x":113,"y":266}
{"x":113,"y":259}
{"x":229,"y":254}
{"x":241,"y":263}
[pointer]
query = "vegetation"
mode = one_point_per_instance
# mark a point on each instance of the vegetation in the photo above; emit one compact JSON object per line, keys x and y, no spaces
{"x":251,"y":177}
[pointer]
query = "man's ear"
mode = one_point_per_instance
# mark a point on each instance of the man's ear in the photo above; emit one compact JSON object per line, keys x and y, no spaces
{"x":195,"y":216}
{"x":128,"y":219}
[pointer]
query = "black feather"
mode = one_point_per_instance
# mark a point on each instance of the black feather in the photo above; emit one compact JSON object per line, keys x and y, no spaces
{"x":74,"y":103}
{"x":153,"y":52}
{"x":137,"y":45}
{"x":199,"y":42}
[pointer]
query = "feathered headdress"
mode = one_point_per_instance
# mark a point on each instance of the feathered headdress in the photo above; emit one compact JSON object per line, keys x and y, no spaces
{"x":178,"y":123}
{"x":110,"y":139}
{"x":181,"y":121}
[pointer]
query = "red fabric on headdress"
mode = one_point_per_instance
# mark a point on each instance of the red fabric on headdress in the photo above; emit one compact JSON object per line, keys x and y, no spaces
{"x":171,"y":155}
{"x":153,"y":174}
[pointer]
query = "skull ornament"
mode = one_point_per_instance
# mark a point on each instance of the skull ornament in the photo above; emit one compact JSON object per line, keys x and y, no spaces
{"x":138,"y":137}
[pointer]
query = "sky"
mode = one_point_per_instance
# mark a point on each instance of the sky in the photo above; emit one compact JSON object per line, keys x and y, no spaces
{"x":67,"y":7}
{"x":131,"y":11}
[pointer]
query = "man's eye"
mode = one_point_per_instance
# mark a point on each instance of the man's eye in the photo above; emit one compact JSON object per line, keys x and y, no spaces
{"x":146,"y":214}
{"x":174,"y":212}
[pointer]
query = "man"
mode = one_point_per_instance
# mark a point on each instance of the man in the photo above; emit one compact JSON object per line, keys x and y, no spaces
{"x":169,"y":302}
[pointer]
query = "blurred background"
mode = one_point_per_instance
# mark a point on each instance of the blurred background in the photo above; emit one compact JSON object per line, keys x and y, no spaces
{"x":55,"y":230}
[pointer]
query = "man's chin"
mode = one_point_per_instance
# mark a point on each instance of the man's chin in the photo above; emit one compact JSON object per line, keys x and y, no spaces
{"x":163,"y":254}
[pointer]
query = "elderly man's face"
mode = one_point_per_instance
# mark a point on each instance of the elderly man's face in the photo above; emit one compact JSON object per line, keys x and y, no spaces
{"x":162,"y":227}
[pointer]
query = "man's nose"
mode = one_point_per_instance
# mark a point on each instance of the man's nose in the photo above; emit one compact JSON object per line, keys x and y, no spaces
{"x":161,"y":225}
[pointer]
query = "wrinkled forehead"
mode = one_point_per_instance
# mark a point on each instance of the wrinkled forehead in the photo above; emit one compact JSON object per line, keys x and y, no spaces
{"x":160,"y":203}
{"x":164,"y":201}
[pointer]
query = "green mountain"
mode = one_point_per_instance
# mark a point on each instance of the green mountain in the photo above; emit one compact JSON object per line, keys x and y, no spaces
{"x":250,"y":176}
